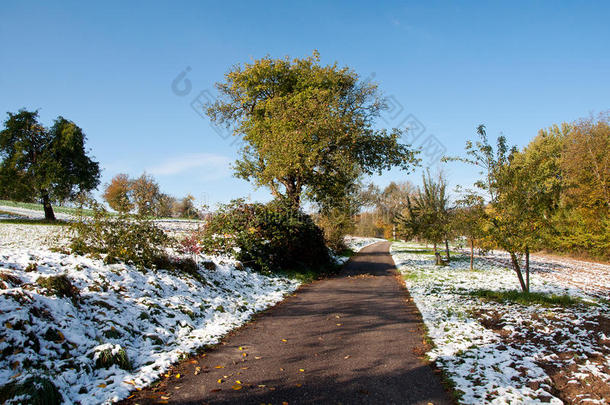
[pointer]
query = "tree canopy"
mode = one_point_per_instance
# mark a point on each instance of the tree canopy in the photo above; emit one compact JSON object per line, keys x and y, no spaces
{"x":307,"y":128}
{"x":50,"y":164}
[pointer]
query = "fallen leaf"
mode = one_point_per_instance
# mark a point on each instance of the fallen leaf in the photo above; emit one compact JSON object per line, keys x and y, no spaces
{"x":347,"y":357}
{"x":261,"y":386}
{"x":284,"y":403}
{"x":245,"y":368}
{"x":338,"y":324}
{"x":166,"y":375}
{"x":219,"y":381}
{"x":102,"y":385}
{"x":237,"y":382}
{"x":219,"y":367}
{"x":178,"y":375}
{"x":284,"y":340}
{"x":257,"y":357}
{"x":237,"y":387}
{"x":131,"y":396}
{"x":240,"y":348}
{"x":299,"y":385}
{"x":301,"y":370}
{"x":130,"y":382}
{"x":194,"y":362}
{"x":197,"y":370}
{"x":244,"y":354}
{"x":164,"y":397}
{"x":215,"y":390}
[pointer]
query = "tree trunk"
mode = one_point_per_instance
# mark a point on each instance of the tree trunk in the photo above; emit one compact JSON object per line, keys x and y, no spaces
{"x":517,"y":268}
{"x":447,"y":249}
{"x":471,"y":254}
{"x":527,"y":268}
{"x":434,"y":247}
{"x":49,"y":215}
{"x":293,"y":193}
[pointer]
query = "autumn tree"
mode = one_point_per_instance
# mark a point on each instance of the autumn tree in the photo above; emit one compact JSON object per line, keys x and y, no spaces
{"x":49,"y":164}
{"x":185,"y":208}
{"x":145,"y":193}
{"x":118,"y":193}
{"x":468,"y":221}
{"x":165,"y":206}
{"x":308,"y":129}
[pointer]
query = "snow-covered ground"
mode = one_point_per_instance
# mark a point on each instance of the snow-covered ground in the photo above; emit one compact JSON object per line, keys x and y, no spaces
{"x":155,"y":318}
{"x":506,"y":352}
{"x":356,"y":243}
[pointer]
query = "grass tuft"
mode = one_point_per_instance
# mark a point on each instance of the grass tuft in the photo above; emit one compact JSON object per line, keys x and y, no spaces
{"x":37,"y":390}
{"x":60,"y":286}
{"x":106,"y":359}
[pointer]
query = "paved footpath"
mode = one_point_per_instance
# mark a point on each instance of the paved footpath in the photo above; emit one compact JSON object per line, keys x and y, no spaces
{"x":353,"y":339}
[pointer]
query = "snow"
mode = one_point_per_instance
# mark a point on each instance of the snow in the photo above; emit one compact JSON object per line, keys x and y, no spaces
{"x":506,"y":352}
{"x":155,"y":317}
{"x":356,"y":243}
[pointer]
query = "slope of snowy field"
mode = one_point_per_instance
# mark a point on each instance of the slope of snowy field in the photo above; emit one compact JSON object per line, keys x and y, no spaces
{"x":143,"y":321}
{"x":508,"y":352}
{"x":356,"y":243}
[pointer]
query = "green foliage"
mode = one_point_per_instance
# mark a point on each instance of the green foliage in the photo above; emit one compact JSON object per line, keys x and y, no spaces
{"x":38,"y":390}
{"x":106,"y":359}
{"x":46,"y":163}
{"x":60,"y":286}
{"x":269,"y":237}
{"x":427,"y":215}
{"x":307,"y":128}
{"x":527,"y":298}
{"x":133,"y":240}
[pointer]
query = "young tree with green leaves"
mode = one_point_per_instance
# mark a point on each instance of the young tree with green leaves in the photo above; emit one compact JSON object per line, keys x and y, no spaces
{"x":522,"y":190}
{"x":428,"y":215}
{"x":307,"y":128}
{"x":49,"y":164}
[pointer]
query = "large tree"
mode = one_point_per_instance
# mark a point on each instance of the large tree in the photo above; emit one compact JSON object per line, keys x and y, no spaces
{"x":49,"y":164}
{"x":307,"y":128}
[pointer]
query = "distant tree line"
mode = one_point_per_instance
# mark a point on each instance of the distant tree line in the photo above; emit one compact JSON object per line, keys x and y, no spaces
{"x":144,"y":197}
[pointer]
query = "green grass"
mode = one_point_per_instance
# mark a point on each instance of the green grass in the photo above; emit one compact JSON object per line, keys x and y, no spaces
{"x":29,"y":221}
{"x":532,"y":298}
{"x":38,"y":207}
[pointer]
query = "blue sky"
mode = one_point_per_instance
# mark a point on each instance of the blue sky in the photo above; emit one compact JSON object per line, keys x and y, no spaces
{"x":109,"y":67}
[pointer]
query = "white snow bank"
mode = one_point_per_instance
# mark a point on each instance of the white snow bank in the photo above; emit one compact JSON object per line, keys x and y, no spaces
{"x":155,"y":317}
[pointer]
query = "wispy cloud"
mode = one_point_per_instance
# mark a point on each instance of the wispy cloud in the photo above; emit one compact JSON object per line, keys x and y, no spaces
{"x":206,"y":165}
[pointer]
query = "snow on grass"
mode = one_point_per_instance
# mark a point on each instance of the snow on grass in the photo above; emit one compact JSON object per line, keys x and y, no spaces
{"x":119,"y":328}
{"x":505,"y":352}
{"x":356,"y":243}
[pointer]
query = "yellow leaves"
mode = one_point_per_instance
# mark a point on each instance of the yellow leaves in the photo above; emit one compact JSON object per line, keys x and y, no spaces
{"x":347,"y":357}
{"x":299,"y":385}
{"x":177,"y":375}
{"x":237,"y":382}
{"x":197,"y":370}
{"x":219,"y":367}
{"x":130,"y":382}
{"x":244,"y":354}
{"x":301,"y":370}
{"x":257,"y":357}
{"x":102,"y":385}
{"x":339,"y":324}
{"x":284,"y":340}
{"x":219,"y":381}
{"x":164,"y":397}
{"x":194,"y":362}
{"x":8,"y":325}
{"x":241,"y":348}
